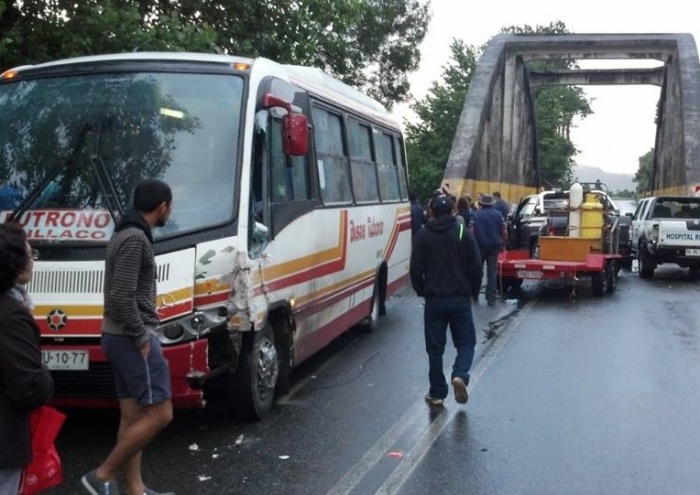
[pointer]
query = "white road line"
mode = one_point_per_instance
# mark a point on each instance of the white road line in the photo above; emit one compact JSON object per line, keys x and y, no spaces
{"x":413,"y":457}
{"x":353,"y":477}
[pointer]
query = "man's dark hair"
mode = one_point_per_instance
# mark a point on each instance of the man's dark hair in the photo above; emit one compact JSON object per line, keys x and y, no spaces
{"x":150,"y":194}
{"x":14,"y":257}
{"x":462,"y":203}
{"x":496,"y":195}
{"x":412,"y":196}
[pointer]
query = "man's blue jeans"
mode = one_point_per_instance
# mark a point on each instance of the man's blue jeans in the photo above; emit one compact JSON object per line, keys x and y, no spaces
{"x":457,"y":313}
{"x":489,"y":255}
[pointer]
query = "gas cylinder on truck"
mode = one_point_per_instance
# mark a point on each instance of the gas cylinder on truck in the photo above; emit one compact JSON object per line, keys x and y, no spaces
{"x":575,"y":202}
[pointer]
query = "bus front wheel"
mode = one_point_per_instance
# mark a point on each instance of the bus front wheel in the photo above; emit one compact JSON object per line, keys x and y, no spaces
{"x":256,"y":377}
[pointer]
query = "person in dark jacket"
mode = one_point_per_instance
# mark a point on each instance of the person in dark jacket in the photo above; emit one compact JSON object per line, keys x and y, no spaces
{"x":501,"y":204}
{"x":25,"y":383}
{"x":445,"y":270}
{"x":489,"y":229}
{"x":142,"y":376}
{"x":464,"y":208}
{"x":417,"y":218}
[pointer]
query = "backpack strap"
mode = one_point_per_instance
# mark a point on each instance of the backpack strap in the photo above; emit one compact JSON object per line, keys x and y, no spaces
{"x":461,"y":231}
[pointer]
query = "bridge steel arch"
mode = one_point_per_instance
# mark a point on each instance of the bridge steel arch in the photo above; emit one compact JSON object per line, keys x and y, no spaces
{"x":495,"y":145}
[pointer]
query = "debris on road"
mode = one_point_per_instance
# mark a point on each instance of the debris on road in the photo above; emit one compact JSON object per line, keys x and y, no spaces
{"x":194,"y":447}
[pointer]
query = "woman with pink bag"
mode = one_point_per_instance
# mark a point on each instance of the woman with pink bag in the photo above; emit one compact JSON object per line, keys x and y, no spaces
{"x":25,"y":383}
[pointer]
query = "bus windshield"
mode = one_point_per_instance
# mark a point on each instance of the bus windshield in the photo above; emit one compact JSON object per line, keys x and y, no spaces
{"x":72,"y":149}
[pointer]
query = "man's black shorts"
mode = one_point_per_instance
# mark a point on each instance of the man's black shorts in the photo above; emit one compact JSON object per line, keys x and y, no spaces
{"x":146,"y":380}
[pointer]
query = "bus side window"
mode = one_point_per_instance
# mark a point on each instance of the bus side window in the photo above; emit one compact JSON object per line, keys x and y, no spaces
{"x":386,"y":164}
{"x":332,"y":162}
{"x":403,"y":173}
{"x":364,"y":170}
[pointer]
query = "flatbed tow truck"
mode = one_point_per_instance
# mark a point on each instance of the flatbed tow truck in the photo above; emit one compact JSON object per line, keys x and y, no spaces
{"x":590,"y":249}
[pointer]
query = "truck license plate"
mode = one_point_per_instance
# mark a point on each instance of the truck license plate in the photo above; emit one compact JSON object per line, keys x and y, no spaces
{"x":692,"y":252}
{"x":66,"y":359}
{"x":528,"y":274}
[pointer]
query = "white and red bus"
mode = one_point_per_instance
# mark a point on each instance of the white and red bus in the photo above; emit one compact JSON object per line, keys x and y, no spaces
{"x":290,"y":219}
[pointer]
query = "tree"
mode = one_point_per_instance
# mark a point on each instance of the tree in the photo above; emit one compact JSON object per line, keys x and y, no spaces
{"x":369,"y":44}
{"x":429,"y":139}
{"x":624,"y":194}
{"x":643,"y":177}
{"x":556,"y":108}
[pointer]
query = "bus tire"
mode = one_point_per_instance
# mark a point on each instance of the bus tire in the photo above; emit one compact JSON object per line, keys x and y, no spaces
{"x":378,"y":304}
{"x":256,"y":377}
{"x":369,"y":324}
{"x":282,"y":327}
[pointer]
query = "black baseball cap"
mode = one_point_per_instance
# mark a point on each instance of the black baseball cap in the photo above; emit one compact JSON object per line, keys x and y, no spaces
{"x":441,"y":204}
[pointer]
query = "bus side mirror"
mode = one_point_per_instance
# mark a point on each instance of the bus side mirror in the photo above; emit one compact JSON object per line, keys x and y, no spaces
{"x":295,"y":137}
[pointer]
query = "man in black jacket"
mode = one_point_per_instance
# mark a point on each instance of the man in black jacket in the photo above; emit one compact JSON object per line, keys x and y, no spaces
{"x":446,"y":271}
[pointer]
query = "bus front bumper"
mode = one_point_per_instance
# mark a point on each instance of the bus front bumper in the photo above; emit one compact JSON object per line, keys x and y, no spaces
{"x":94,"y":387}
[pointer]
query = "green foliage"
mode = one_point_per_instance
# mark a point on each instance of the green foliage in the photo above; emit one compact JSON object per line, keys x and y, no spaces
{"x":41,"y":32}
{"x":370,"y":44}
{"x":429,"y":139}
{"x":624,"y":194}
{"x":643,"y":176}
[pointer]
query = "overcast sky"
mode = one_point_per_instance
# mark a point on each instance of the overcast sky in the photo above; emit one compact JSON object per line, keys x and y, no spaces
{"x":622,"y":126}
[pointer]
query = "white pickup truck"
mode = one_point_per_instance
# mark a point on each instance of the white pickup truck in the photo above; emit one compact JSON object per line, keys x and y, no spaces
{"x":666,"y":229}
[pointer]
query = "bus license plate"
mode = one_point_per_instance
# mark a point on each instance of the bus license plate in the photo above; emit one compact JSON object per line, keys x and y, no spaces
{"x":528,"y":274}
{"x":65,"y":359}
{"x":692,"y":252}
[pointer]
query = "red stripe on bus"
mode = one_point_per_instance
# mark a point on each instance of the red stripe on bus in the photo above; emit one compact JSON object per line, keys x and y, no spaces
{"x":328,"y":332}
{"x":208,"y":300}
{"x":317,"y":305}
{"x":93,"y":326}
{"x":310,"y":274}
{"x":400,"y":227}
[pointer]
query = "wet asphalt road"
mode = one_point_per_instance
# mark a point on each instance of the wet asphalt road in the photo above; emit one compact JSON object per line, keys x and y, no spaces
{"x":591,"y":396}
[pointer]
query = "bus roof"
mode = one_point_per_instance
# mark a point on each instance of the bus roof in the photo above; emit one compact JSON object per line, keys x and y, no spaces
{"x":304,"y":75}
{"x":310,"y":78}
{"x":115,"y":57}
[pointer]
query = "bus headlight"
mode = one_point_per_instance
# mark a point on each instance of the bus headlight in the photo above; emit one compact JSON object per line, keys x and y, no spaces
{"x":192,"y":327}
{"x":173,"y":331}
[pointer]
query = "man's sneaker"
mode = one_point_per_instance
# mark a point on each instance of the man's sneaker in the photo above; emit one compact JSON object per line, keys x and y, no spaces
{"x":97,"y":487}
{"x":148,"y":491}
{"x":434,"y":401}
{"x":460,"y":387}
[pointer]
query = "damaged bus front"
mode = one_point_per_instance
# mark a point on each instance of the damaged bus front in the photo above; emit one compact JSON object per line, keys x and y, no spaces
{"x":76,"y":136}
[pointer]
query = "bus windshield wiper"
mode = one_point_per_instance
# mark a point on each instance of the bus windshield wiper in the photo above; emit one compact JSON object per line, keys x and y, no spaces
{"x":111,"y":198}
{"x":39,"y":189}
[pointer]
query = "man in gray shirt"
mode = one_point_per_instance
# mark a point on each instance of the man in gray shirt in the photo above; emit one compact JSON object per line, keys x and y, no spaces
{"x":141,"y":372}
